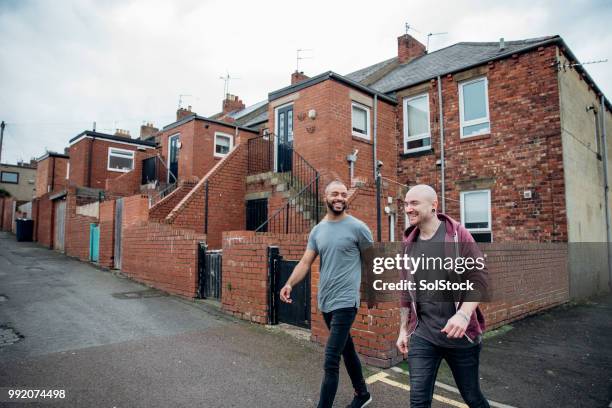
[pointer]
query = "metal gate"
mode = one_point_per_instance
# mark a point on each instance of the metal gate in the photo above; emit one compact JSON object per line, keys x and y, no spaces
{"x":209,"y":272}
{"x":297,"y":312}
{"x":118,"y":220}
{"x":59,"y":208}
{"x":94,"y":242}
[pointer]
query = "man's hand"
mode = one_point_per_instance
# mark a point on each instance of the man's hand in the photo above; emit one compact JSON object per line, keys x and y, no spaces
{"x":402,"y":342}
{"x":285,"y":294}
{"x":455,"y":327}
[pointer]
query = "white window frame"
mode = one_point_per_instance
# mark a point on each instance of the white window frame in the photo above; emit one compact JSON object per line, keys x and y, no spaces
{"x":416,"y":137}
{"x":231,"y":146}
{"x":358,"y":105}
{"x":462,"y":208}
{"x":463,"y":123}
{"x":108,"y":167}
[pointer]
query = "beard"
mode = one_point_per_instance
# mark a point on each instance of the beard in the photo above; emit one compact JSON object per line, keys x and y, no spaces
{"x":330,"y":205}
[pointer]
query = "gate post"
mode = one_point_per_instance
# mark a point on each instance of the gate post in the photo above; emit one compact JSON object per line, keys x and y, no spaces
{"x":273,"y":256}
{"x":201,"y":268}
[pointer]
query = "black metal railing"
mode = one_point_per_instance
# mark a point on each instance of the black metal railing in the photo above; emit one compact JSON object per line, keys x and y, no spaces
{"x":298,"y":214}
{"x":260,"y":154}
{"x":154,"y":179}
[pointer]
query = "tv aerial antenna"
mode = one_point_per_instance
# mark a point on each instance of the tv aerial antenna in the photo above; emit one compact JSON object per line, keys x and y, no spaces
{"x":300,"y":57}
{"x":226,"y":82}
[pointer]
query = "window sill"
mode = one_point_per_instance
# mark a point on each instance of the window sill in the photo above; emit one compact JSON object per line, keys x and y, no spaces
{"x":119,"y":170}
{"x":473,"y":138}
{"x":417,"y":154}
{"x":361,"y":139}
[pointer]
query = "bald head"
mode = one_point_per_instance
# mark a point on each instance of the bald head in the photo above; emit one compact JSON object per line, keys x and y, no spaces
{"x":423,"y":192}
{"x":420,"y":205}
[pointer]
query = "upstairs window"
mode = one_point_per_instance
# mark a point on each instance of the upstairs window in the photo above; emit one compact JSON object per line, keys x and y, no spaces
{"x":120,"y":159}
{"x":223,"y":144}
{"x":476,"y":214}
{"x":417,"y":134}
{"x":361,"y":120}
{"x":474,"y":107}
{"x":10,"y":177}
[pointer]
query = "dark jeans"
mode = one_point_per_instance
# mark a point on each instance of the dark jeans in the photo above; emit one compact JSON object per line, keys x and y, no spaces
{"x":340,"y":343}
{"x":424,"y":359}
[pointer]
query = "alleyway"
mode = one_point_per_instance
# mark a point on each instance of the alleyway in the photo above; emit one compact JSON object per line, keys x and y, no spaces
{"x":110,"y":342}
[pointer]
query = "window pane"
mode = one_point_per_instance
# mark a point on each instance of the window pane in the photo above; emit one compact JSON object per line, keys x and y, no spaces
{"x":281,"y":124}
{"x":359,"y":120}
{"x":121,"y":163}
{"x":474,"y":103}
{"x":418,"y":116}
{"x":415,"y":144}
{"x":476,"y":210}
{"x":476,"y":129}
{"x":481,"y":236}
{"x":10,"y":177}
{"x":223,"y":145}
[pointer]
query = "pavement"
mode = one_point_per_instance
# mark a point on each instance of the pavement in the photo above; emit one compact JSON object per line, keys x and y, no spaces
{"x":110,"y":342}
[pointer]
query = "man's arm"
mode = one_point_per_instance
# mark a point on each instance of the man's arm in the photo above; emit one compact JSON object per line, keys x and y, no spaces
{"x":298,"y":274}
{"x":402,"y":339}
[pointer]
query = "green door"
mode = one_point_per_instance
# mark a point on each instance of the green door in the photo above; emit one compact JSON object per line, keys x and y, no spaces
{"x":94,"y":242}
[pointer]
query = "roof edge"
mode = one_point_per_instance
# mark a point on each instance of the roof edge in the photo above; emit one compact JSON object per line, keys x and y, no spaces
{"x":93,"y":134}
{"x":205,"y":119}
{"x":324,"y":77}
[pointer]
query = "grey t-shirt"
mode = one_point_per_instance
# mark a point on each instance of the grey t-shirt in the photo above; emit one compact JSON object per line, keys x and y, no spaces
{"x":338,"y":244}
{"x":433,"y":315}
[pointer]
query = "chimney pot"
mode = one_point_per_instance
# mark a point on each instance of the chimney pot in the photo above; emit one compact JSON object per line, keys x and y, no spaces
{"x":502,"y":44}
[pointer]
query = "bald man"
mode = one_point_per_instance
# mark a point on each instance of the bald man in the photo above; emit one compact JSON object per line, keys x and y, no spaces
{"x":432,"y":330}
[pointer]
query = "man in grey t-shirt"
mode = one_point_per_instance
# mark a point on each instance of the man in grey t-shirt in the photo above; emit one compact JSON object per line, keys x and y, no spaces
{"x":338,"y":240}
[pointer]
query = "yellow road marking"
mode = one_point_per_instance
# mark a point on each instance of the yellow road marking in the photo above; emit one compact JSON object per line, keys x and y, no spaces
{"x":383,"y":377}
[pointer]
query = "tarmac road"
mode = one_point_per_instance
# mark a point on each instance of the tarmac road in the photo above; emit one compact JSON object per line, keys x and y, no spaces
{"x":111,"y":342}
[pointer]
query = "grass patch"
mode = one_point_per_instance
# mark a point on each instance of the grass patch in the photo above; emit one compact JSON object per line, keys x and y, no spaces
{"x":497,"y":332}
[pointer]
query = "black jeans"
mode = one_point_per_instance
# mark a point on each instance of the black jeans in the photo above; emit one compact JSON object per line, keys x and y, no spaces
{"x":339,"y":343}
{"x":424,"y":359}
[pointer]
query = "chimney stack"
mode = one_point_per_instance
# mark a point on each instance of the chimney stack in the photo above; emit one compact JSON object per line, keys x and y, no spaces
{"x":231,"y":103}
{"x":183,"y":113}
{"x":298,"y":77}
{"x":123,"y":133}
{"x":408,"y":48}
{"x":147,"y":130}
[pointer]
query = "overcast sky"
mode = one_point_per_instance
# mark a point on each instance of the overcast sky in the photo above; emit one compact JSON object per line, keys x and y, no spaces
{"x":66,"y":64}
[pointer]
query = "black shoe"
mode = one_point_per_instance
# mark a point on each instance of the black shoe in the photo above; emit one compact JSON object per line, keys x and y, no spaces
{"x":360,"y":401}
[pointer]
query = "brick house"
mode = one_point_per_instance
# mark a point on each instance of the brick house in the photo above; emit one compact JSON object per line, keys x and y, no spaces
{"x":510,"y":133}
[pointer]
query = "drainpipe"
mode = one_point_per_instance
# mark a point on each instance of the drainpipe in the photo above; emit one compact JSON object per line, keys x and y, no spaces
{"x":606,"y":187}
{"x":442,"y":179}
{"x":93,"y":139}
{"x":352,"y":159}
{"x":377,"y":173}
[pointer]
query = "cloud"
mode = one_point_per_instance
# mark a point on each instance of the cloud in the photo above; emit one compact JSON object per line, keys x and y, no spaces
{"x":67,"y":64}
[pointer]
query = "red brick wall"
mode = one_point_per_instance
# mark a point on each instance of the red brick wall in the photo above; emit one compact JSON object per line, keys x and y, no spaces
{"x":226,"y":208}
{"x":48,"y":179}
{"x":163,"y":207}
{"x":7,"y":214}
{"x":157,"y":254}
{"x":79,"y":162}
{"x":42,"y":214}
{"x":107,"y":233}
{"x":522,"y":152}
{"x":77,"y":229}
{"x":196,"y":155}
{"x":533,"y":278}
